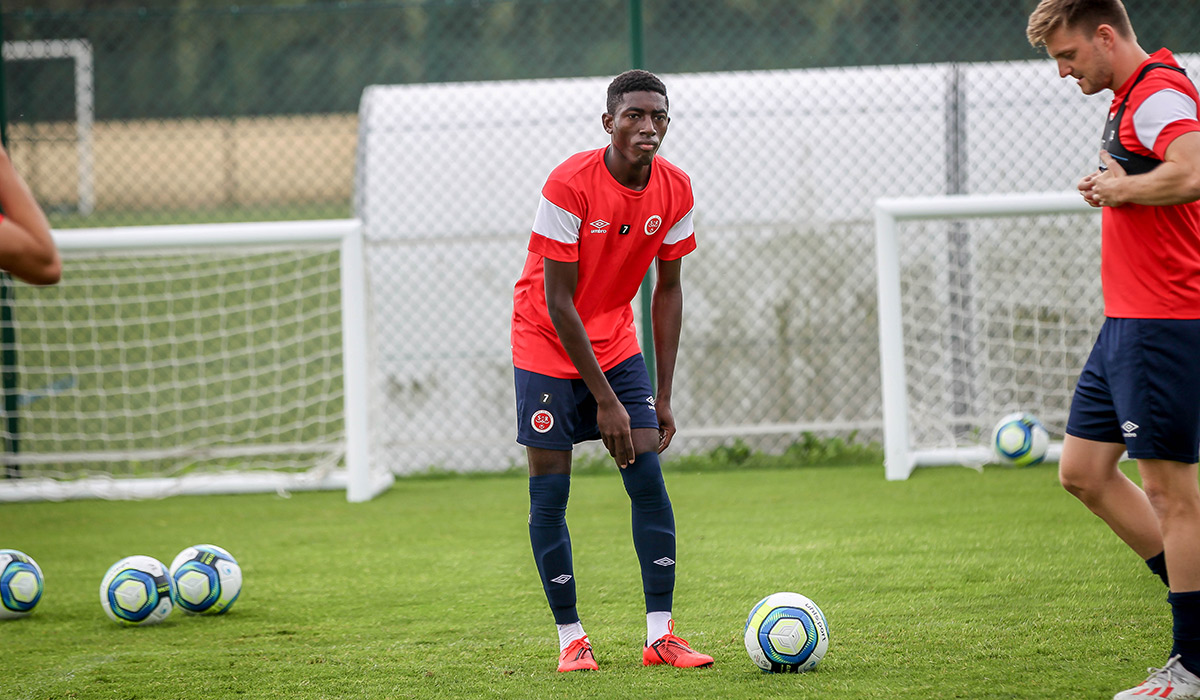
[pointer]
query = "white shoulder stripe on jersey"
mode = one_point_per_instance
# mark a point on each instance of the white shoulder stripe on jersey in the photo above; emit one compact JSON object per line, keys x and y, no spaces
{"x":1159,"y":110}
{"x":556,"y":223}
{"x":680,"y":231}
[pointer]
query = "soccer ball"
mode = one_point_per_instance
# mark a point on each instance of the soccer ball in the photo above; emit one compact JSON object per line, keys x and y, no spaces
{"x":21,"y":584}
{"x":207,"y":579}
{"x":1020,"y":440}
{"x":137,"y":591}
{"x":786,"y":633}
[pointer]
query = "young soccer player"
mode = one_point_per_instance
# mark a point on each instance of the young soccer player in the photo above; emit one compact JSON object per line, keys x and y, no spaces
{"x":1138,"y":390}
{"x":27,"y":250}
{"x":605,"y":215}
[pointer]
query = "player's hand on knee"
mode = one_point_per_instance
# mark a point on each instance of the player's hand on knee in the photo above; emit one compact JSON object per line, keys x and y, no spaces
{"x":613,"y":421}
{"x":666,"y":425}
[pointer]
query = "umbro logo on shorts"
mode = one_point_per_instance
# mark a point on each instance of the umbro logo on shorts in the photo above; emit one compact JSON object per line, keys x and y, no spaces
{"x":1130,"y":428}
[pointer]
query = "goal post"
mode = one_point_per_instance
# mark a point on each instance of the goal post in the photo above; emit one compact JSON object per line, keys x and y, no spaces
{"x":79,"y":52}
{"x":1026,"y":297}
{"x":197,"y":359}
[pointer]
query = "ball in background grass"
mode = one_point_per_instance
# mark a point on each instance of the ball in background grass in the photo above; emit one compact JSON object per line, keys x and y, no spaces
{"x":207,"y":579}
{"x":21,"y":584}
{"x":1020,"y":440}
{"x":786,"y":633}
{"x":137,"y":590}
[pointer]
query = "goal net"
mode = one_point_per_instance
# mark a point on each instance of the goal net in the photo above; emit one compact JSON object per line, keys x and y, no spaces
{"x":988,"y":304}
{"x":191,"y":359}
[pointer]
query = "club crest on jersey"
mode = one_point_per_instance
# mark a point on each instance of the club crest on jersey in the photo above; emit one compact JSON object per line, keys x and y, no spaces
{"x":542,"y":421}
{"x":653,"y":224}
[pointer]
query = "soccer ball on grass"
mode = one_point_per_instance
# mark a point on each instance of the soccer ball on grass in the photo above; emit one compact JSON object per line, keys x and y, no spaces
{"x":786,"y":633}
{"x":137,"y":590}
{"x":21,"y":584}
{"x":1020,"y":440}
{"x":207,"y":579}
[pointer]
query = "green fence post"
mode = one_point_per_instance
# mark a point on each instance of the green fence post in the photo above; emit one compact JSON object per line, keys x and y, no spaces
{"x":637,"y":59}
{"x":8,"y":331}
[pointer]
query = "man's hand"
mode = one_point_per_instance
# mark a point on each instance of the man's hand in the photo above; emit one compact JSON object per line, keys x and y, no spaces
{"x":1086,"y":187}
{"x":1107,"y":185}
{"x":666,"y":424}
{"x":613,"y":421}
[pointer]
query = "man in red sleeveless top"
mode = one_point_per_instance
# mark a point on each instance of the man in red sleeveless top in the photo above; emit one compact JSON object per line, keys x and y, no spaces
{"x":1139,"y":391}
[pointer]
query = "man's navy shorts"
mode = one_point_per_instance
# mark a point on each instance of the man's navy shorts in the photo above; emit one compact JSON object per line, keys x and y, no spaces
{"x":1141,"y":386}
{"x":554,"y":413}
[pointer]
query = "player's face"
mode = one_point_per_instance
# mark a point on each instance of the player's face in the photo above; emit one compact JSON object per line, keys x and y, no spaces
{"x":1083,"y":57}
{"x":639,"y":126}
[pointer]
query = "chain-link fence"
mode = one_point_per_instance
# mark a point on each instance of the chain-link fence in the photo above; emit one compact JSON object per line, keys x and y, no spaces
{"x":791,"y":118}
{"x":165,"y":112}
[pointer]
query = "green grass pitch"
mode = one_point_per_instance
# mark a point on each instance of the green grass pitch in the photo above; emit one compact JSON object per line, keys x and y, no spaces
{"x":952,"y":584}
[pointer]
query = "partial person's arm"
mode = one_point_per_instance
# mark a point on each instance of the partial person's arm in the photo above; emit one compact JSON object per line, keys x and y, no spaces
{"x":666,"y":318}
{"x":1176,"y":181}
{"x":27,"y":249}
{"x":611,"y":416}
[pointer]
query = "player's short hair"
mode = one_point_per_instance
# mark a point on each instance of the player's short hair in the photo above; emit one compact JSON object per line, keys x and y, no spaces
{"x":1084,"y":15}
{"x":633,"y":81}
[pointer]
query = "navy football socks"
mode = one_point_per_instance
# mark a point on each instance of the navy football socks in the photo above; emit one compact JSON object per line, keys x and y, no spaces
{"x":1185,"y":611}
{"x":1158,"y":564}
{"x":653,"y":529}
{"x":552,"y":543}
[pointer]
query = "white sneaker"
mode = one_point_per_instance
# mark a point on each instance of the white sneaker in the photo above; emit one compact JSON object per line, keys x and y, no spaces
{"x":1171,"y":682}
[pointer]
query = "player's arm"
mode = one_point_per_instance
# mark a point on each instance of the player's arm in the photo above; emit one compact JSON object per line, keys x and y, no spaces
{"x":27,"y":249}
{"x":666,"y":318}
{"x":1175,"y":181}
{"x":611,"y":416}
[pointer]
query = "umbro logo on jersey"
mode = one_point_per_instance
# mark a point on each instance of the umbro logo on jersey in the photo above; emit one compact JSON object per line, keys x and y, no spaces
{"x":653,"y":224}
{"x":599,"y":226}
{"x":1130,"y":428}
{"x":561,"y":578}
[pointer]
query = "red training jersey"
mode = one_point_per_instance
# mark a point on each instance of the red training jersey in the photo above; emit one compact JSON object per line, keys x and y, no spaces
{"x":614,"y":234}
{"x":1150,"y":264}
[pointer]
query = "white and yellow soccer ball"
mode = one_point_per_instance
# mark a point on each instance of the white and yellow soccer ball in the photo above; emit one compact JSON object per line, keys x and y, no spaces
{"x":207,"y":579}
{"x":1020,"y":440}
{"x":786,"y":633}
{"x":21,"y":584}
{"x":137,"y":590}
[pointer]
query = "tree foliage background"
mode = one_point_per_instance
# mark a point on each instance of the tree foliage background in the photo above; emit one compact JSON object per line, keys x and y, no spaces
{"x":161,"y":59}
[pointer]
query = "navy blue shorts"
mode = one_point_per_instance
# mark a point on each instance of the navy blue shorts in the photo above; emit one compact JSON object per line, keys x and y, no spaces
{"x":1141,"y":387}
{"x":554,"y":413}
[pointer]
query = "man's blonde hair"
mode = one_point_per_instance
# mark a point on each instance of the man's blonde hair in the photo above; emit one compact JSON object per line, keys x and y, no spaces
{"x":1084,"y":15}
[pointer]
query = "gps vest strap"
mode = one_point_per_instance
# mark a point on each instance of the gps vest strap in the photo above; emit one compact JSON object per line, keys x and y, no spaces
{"x":1134,"y":163}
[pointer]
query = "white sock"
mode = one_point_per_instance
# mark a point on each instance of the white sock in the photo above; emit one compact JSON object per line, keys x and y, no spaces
{"x":569,"y":633}
{"x":657,"y":624}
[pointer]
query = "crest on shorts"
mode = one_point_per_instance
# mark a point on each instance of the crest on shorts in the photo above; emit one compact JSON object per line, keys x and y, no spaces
{"x":542,"y":421}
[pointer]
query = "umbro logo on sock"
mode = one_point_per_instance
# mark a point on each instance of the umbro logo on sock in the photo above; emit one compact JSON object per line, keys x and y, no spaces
{"x":562,"y":578}
{"x":665,"y":561}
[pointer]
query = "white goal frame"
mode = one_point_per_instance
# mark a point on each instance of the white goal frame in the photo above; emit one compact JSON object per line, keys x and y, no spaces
{"x":899,"y":457}
{"x":80,"y":52}
{"x":356,"y":477}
